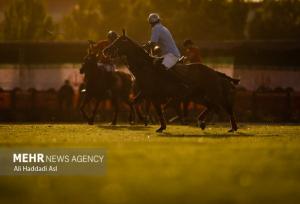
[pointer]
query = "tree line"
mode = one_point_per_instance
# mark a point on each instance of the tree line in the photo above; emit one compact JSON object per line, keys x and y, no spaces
{"x":206,"y":20}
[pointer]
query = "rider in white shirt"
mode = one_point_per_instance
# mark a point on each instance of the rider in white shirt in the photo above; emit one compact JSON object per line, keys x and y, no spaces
{"x":162,"y":37}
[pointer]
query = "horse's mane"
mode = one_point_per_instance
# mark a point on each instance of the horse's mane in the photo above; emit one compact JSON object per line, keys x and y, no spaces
{"x":140,"y":49}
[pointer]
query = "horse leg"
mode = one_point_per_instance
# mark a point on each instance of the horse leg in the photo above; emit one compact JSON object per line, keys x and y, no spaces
{"x":139,"y":114}
{"x":145,"y":117}
{"x":180,"y":113}
{"x":185,"y":111}
{"x":147,"y":112}
{"x":201,"y":118}
{"x":234,"y":126}
{"x":131,"y":113}
{"x":233,"y":123}
{"x":177,"y":107}
{"x":82,"y":110}
{"x":161,"y":116}
{"x":137,"y":98}
{"x":115,"y":104}
{"x":228,"y":105}
{"x":92,"y":119}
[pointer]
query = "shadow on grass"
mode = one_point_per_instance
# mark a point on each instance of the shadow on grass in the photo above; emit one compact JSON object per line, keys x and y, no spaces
{"x":209,"y":135}
{"x":218,"y":135}
{"x":124,"y":127}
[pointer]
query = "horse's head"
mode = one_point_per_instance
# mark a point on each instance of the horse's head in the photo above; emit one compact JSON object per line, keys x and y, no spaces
{"x":90,"y":60}
{"x":121,"y":46}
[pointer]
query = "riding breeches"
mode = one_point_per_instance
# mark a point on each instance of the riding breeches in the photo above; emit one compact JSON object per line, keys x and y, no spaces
{"x":169,"y":60}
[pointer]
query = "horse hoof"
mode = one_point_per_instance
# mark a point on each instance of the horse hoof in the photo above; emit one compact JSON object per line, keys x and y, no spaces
{"x":231,"y":130}
{"x":202,"y":125}
{"x":91,"y":122}
{"x":113,"y":124}
{"x":146,"y":122}
{"x":161,"y":129}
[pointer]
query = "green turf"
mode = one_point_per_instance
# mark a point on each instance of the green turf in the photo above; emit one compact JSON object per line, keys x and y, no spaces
{"x":259,"y":164}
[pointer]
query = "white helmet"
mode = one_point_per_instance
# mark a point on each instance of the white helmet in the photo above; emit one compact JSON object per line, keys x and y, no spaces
{"x":153,"y":18}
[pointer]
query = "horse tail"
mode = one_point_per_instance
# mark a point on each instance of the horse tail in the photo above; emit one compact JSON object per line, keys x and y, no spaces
{"x":232,"y":80}
{"x":235,"y":81}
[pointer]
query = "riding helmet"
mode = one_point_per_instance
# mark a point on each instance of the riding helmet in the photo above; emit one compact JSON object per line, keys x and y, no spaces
{"x":153,"y":18}
{"x":112,"y":35}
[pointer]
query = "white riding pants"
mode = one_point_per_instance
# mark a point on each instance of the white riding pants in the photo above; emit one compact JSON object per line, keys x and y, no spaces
{"x":169,"y":60}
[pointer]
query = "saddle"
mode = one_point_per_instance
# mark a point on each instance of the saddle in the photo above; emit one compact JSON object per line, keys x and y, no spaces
{"x":179,"y":72}
{"x":157,"y":61}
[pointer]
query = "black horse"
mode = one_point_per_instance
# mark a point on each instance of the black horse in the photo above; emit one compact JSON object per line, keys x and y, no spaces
{"x":101,"y":84}
{"x":206,"y":86}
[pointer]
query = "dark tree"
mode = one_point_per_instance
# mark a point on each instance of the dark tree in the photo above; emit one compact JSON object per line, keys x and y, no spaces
{"x":27,"y":20}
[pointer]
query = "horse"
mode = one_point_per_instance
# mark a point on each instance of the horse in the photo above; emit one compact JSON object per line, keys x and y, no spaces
{"x":101,"y":84}
{"x":206,"y":86}
{"x":181,"y":106}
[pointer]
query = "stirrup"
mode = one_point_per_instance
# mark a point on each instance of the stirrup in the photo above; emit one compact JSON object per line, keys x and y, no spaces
{"x":181,"y":60}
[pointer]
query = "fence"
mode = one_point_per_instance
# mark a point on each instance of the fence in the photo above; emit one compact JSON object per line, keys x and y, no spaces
{"x":272,"y":106}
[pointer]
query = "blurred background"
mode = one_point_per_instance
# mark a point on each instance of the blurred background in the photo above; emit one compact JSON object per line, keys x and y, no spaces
{"x":43,"y":42}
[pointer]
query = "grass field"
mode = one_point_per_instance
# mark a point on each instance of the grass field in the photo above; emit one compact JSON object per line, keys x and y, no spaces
{"x":259,"y":164}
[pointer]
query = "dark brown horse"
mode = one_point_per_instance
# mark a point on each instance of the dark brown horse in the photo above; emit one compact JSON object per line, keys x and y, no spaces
{"x":101,"y":85}
{"x":205,"y":85}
